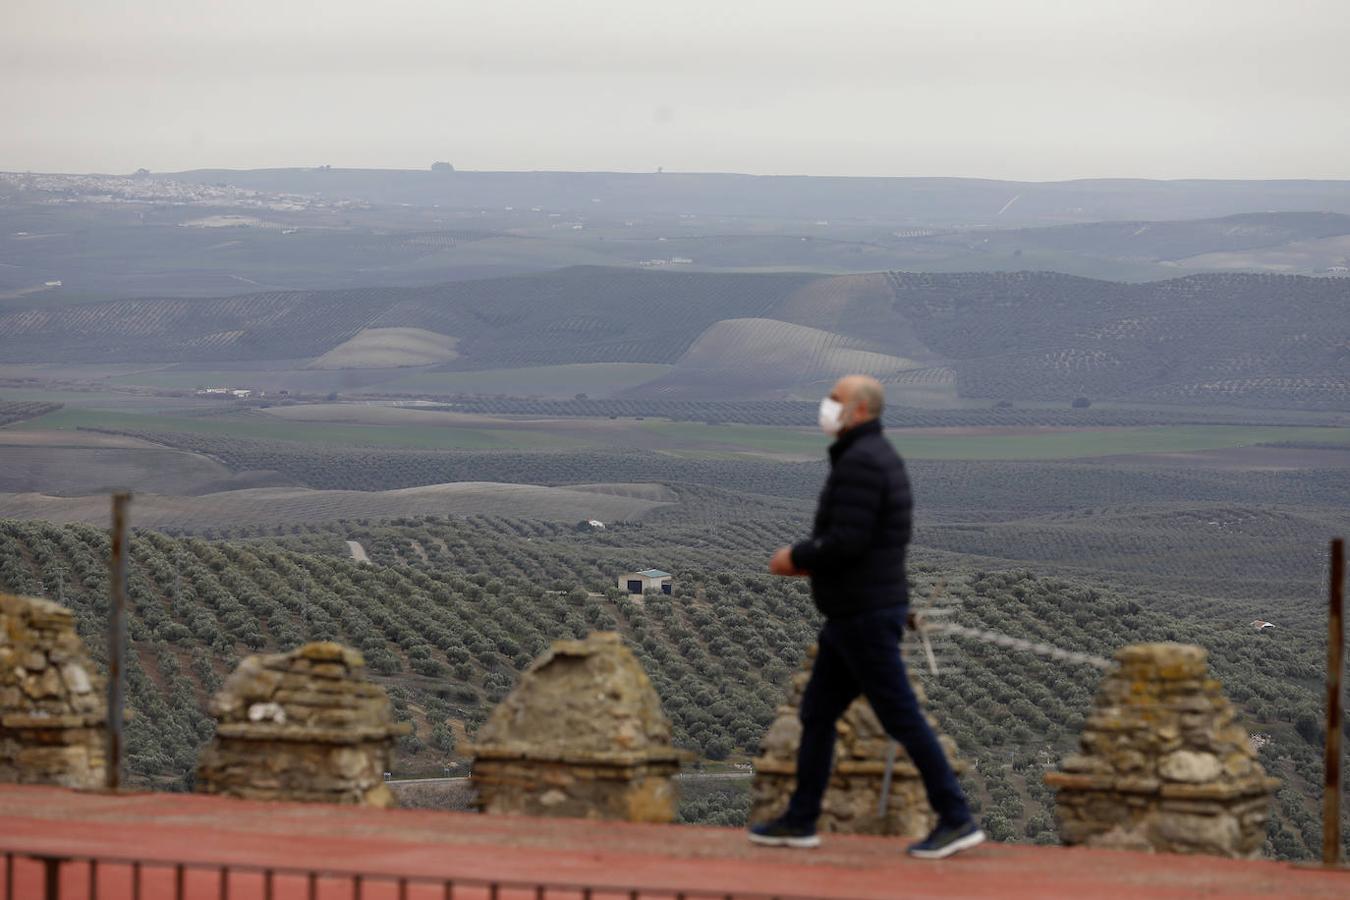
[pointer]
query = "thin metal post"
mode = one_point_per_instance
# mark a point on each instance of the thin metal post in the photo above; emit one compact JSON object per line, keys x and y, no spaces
{"x":117,"y":638}
{"x":51,"y":878}
{"x":886,"y":779}
{"x":1331,"y":795}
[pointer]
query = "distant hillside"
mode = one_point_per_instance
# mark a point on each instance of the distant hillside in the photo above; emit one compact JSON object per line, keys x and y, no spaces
{"x":923,"y":200}
{"x":768,"y":355}
{"x":1256,"y":340}
{"x":290,"y":505}
{"x":1171,"y":241}
{"x":82,"y":238}
{"x":574,"y":315}
{"x":1243,"y":339}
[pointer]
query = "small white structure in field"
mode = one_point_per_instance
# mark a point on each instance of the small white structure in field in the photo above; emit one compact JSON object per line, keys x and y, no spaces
{"x":596,"y":524}
{"x":1261,"y":625}
{"x":646,"y":580}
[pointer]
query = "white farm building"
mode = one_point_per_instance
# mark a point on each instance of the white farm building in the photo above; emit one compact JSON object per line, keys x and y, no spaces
{"x":646,"y":580}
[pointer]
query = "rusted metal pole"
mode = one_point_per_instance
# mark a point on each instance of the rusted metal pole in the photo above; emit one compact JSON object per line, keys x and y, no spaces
{"x":117,"y":638}
{"x":1331,"y":796}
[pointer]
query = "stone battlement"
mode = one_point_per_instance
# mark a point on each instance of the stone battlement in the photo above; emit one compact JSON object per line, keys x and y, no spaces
{"x":52,"y":711}
{"x":583,"y":735}
{"x":1164,"y":764}
{"x":303,"y":725}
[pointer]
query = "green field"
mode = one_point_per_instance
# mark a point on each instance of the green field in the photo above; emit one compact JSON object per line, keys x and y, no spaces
{"x":173,"y":379}
{"x":93,"y":399}
{"x":252,"y":425}
{"x":698,"y":439}
{"x":1064,"y":444}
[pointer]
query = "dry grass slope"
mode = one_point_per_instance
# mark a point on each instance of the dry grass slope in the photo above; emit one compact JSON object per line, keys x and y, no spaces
{"x":388,"y":348}
{"x":768,"y":357}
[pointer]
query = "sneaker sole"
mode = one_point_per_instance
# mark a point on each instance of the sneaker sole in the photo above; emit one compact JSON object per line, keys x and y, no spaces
{"x":965,"y":843}
{"x":799,"y":843}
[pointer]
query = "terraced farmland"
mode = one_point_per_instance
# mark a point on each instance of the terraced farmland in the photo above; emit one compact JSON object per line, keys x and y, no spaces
{"x":451,"y":610}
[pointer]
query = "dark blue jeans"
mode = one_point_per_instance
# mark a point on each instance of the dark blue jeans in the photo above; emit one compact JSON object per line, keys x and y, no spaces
{"x":861,"y":655}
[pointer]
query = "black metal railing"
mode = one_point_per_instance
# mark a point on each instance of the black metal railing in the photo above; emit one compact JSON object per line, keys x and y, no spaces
{"x":30,"y":875}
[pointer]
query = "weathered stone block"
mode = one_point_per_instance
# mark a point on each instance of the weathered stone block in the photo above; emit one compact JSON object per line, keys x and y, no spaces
{"x":279,"y":737}
{"x":1164,"y":766}
{"x":581,"y":735}
{"x":51,"y":708}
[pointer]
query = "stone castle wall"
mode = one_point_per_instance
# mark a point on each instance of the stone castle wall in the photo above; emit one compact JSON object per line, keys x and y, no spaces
{"x":1164,"y":764}
{"x":582,"y":735}
{"x":52,"y":710}
{"x":305,"y":725}
{"x":852,"y":802}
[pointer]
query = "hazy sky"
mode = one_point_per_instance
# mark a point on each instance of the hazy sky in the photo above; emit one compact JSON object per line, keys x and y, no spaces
{"x":1027,"y":89}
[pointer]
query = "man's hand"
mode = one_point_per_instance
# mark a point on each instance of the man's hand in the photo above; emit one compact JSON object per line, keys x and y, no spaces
{"x":781,"y":563}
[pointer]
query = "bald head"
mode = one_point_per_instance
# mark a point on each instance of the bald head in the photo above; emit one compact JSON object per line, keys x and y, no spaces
{"x":862,"y":397}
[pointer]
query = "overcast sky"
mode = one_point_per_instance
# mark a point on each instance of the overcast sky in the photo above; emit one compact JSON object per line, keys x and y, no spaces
{"x":1021,"y":89}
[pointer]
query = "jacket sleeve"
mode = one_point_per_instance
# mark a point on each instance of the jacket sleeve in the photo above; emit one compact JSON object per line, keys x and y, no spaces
{"x":854,"y":505}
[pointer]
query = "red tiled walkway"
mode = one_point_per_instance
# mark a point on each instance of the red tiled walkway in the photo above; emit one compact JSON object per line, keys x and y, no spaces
{"x":176,"y":827}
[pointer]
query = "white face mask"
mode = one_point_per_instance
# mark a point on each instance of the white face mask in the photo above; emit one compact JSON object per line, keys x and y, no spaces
{"x":831,"y":416}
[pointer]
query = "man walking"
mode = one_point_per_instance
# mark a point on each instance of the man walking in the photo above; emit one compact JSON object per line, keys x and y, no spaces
{"x":855,"y":558}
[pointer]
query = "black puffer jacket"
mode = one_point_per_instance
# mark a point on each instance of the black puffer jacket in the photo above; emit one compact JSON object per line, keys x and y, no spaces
{"x":856,"y":552}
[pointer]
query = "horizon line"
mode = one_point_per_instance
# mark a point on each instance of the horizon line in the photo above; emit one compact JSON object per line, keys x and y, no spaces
{"x":427,"y":170}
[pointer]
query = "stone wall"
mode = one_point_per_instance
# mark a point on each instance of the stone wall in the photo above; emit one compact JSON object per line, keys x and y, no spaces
{"x":582,"y":735}
{"x":52,"y":710}
{"x":852,"y":800}
{"x":305,"y":725}
{"x":1164,"y":765}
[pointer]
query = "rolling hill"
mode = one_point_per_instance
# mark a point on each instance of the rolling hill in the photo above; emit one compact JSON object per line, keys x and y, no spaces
{"x":768,"y":357}
{"x":1177,"y":242}
{"x":1254,"y":340}
{"x":922,"y":200}
{"x":80,"y":238}
{"x":388,"y":348}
